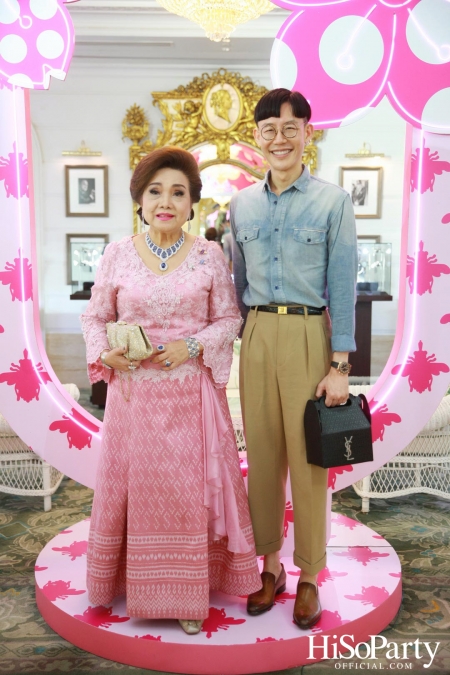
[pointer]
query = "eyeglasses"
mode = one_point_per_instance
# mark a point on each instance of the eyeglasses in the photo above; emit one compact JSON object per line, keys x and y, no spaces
{"x":288,"y":131}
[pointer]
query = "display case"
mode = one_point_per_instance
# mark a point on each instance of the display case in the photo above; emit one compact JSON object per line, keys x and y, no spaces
{"x":84,"y":253}
{"x":374,"y":267}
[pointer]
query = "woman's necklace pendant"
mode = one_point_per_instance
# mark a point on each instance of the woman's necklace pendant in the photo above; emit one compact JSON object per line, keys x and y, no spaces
{"x":164,"y":253}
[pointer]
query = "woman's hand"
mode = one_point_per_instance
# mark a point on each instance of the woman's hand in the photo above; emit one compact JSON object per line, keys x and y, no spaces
{"x":116,"y":359}
{"x":175,"y":353}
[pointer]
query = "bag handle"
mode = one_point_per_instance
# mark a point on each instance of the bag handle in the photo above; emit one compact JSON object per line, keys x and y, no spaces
{"x":352,"y":400}
{"x":359,"y":400}
{"x":365,"y":407}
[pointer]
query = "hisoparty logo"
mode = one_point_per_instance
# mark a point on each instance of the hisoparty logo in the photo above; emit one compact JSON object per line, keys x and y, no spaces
{"x":397,"y":654}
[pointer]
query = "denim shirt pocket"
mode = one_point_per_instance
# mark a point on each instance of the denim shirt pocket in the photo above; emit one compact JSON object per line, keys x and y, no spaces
{"x":309,"y":237}
{"x":247,"y":234}
{"x":310,"y":251}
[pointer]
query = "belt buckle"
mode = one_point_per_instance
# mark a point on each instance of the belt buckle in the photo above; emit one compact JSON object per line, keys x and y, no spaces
{"x":282,"y":309}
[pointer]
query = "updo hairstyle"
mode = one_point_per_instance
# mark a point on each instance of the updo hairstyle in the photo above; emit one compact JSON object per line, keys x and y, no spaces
{"x":169,"y":157}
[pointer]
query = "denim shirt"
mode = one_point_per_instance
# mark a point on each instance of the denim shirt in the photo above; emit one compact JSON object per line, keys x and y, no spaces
{"x":297,"y":248}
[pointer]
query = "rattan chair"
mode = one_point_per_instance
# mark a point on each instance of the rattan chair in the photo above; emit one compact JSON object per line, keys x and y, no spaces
{"x":423,"y":466}
{"x":22,"y":472}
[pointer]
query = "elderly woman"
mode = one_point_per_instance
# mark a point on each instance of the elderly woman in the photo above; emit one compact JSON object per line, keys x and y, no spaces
{"x":170,"y":518}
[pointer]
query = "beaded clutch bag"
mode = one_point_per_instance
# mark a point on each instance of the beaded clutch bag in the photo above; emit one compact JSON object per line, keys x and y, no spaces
{"x":131,"y":336}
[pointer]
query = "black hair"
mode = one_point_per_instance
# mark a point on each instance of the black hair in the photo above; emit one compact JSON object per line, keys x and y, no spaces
{"x":270,"y":104}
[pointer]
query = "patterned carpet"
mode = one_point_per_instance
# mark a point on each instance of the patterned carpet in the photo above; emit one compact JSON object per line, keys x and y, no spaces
{"x":417,"y":526}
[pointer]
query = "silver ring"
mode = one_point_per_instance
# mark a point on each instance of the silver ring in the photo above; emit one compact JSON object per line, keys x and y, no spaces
{"x":131,"y":367}
{"x":160,"y":348}
{"x":167,"y":363}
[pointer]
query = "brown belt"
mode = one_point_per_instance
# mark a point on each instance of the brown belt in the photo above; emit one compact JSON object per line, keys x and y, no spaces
{"x":288,"y":309}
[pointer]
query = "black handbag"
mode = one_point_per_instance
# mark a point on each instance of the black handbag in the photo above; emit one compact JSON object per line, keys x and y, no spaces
{"x":340,"y":435}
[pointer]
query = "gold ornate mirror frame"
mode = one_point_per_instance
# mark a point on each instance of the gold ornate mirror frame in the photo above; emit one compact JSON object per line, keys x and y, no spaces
{"x":215,"y":109}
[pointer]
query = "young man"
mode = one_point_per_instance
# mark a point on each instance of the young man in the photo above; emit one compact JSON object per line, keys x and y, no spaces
{"x":294,"y":263}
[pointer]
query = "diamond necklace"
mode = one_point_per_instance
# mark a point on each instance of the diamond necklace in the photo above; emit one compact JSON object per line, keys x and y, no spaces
{"x":164,"y":253}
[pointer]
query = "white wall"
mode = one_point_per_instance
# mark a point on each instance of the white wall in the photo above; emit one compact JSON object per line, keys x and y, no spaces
{"x":385,"y":131}
{"x":91,"y":104}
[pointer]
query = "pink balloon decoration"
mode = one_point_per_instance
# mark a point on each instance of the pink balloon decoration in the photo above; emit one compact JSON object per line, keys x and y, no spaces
{"x":346,"y":55}
{"x":37,"y":40}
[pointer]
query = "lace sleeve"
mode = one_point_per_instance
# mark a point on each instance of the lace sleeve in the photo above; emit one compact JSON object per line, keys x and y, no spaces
{"x":225,"y":321}
{"x":100,"y":310}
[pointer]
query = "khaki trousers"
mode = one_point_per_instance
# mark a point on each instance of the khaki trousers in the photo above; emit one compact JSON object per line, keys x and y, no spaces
{"x":283,"y":358}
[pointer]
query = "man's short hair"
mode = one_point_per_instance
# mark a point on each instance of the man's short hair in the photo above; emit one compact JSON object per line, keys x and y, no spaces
{"x":270,"y":104}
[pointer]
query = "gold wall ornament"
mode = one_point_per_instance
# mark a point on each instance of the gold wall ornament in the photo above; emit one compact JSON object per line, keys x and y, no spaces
{"x":223,"y":106}
{"x":218,"y":18}
{"x":83,"y":151}
{"x":364,"y":152}
{"x":310,"y":153}
{"x":135,"y":126}
{"x":215,"y":109}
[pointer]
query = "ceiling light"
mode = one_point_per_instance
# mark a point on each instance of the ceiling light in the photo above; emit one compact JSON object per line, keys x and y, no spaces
{"x":218,"y":18}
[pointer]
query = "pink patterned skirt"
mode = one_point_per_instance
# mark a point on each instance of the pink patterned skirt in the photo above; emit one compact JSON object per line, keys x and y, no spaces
{"x":149,"y":527}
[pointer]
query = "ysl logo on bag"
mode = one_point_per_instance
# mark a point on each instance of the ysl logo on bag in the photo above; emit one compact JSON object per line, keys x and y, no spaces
{"x":348,"y":448}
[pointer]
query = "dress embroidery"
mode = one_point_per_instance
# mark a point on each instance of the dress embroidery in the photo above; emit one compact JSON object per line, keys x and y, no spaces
{"x":149,"y":532}
{"x":197,"y":300}
{"x":163,"y":303}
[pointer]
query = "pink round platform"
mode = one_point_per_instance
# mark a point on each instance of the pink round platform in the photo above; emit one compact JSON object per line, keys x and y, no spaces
{"x":360,"y":591}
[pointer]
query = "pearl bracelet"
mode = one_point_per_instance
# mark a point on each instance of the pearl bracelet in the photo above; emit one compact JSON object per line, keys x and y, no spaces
{"x":102,"y":359}
{"x":193,"y":346}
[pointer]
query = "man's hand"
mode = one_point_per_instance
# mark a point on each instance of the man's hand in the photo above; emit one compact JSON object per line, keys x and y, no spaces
{"x":335,"y":386}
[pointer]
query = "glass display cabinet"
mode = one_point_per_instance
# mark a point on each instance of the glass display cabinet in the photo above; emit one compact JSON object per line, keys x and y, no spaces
{"x":374,"y":267}
{"x":84,"y":252}
{"x":373,"y":285}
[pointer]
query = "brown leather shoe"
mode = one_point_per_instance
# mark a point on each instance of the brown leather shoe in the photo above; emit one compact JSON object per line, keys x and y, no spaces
{"x":262,"y":600}
{"x":307,"y":609}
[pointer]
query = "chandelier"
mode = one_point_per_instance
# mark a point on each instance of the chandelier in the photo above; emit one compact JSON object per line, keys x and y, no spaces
{"x":218,"y":18}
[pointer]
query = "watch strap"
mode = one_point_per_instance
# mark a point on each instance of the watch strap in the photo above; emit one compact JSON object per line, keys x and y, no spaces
{"x":343,"y":367}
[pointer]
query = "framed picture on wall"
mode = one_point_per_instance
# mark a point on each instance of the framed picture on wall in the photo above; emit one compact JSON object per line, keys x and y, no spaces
{"x":86,"y":191}
{"x":364,"y":185}
{"x":369,"y":238}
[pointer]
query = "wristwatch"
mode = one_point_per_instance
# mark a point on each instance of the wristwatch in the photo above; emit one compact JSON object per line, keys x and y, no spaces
{"x":343,"y":367}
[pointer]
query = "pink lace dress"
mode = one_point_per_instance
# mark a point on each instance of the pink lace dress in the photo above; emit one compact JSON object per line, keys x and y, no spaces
{"x":170,"y":517}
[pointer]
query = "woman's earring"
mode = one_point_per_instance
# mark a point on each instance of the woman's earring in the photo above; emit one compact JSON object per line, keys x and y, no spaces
{"x":189,"y":223}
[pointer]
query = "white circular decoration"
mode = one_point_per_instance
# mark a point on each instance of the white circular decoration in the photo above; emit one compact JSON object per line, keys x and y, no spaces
{"x":355,"y":115}
{"x":9,"y":11}
{"x":435,"y":115}
{"x":283,"y":65}
{"x":351,"y":49}
{"x":21,"y":80}
{"x":43,"y":9}
{"x":428,"y":31}
{"x":13,"y":48}
{"x":50,"y":44}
